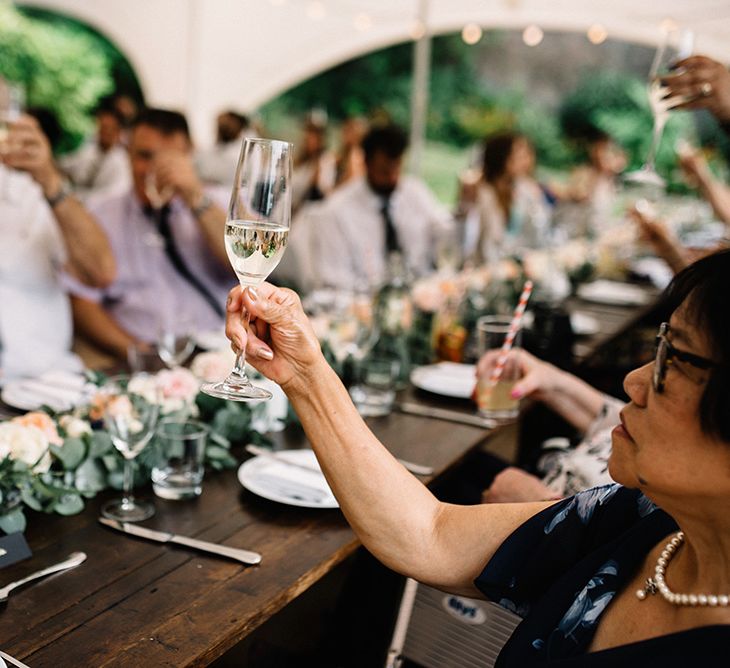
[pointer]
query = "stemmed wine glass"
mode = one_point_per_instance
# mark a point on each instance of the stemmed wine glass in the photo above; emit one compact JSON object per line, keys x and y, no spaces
{"x":256,"y":234}
{"x":175,"y":341}
{"x":130,"y":408}
{"x":676,"y":45}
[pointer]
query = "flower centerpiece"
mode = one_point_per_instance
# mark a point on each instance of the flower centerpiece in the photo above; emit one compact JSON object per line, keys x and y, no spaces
{"x":51,"y":462}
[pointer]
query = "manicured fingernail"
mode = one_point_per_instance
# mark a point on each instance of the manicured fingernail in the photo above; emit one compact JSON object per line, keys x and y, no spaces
{"x":253,"y":294}
{"x":229,"y":301}
{"x":265,"y":353}
{"x":516,"y":394}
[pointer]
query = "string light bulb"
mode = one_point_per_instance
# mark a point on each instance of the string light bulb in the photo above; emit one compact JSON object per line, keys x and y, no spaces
{"x":363,"y":22}
{"x":597,"y":34}
{"x":532,"y":35}
{"x":316,"y":10}
{"x":418,"y":29}
{"x":471,"y":33}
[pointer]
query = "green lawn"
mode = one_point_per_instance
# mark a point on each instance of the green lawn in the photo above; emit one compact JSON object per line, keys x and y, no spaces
{"x":441,"y":167}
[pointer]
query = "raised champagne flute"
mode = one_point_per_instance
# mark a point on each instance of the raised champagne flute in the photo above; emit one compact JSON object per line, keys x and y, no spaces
{"x":676,"y":45}
{"x":256,"y":234}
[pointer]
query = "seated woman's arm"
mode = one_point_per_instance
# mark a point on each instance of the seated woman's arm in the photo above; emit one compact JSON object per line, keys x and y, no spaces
{"x":394,"y":515}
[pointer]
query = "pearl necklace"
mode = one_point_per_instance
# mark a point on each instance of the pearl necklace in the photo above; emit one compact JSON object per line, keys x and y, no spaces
{"x":658,"y":584}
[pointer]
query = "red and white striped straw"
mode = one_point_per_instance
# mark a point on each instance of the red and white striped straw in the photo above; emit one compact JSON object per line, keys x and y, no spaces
{"x":514,"y":327}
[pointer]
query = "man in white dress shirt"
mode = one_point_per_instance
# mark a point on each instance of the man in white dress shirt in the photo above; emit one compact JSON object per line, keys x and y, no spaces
{"x":101,"y":166}
{"x":374,"y":215}
{"x":44,"y":229}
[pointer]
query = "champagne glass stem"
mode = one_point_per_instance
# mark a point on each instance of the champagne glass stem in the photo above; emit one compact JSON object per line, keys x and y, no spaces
{"x":655,"y":138}
{"x":240,"y":368}
{"x":127,"y":498}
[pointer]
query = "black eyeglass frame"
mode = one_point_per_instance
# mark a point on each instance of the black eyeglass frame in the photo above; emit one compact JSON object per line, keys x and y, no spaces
{"x":666,"y":353}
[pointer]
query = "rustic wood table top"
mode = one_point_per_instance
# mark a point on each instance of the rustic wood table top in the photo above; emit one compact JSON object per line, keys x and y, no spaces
{"x":140,"y":603}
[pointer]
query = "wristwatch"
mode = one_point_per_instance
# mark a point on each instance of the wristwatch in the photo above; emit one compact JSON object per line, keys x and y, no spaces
{"x":63,"y":192}
{"x":204,"y":204}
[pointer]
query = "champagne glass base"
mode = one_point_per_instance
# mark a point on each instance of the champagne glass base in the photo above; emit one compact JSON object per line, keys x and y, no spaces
{"x":236,"y":390}
{"x":645,"y":176}
{"x":127,"y":510}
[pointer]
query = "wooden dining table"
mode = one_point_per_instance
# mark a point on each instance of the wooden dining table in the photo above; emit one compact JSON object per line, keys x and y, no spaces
{"x":139,"y":603}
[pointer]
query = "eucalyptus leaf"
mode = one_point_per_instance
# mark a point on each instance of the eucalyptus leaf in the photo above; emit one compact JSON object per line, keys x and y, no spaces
{"x":71,"y":453}
{"x":13,"y":521}
{"x":90,"y":477}
{"x":101,"y":444}
{"x":68,"y":504}
{"x":29,"y":499}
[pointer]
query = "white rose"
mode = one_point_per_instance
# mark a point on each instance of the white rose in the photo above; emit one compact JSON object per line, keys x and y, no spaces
{"x":26,"y":444}
{"x":74,"y":427}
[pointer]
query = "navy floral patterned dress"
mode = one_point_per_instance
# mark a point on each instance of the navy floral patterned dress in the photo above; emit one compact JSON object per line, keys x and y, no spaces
{"x":561,"y":569}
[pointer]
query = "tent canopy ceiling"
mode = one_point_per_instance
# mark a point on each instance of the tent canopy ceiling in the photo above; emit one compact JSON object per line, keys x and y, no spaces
{"x":204,"y":55}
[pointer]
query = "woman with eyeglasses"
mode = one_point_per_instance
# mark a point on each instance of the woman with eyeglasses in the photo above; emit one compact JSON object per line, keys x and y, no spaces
{"x":633,"y":573}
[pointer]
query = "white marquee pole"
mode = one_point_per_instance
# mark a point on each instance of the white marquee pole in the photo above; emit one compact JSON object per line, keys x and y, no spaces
{"x":419,"y":94}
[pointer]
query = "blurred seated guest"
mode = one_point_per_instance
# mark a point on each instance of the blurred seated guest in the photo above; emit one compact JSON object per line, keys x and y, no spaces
{"x":377,"y":214}
{"x":101,"y":166}
{"x":593,"y":186}
{"x":664,"y":243}
{"x":350,"y":159}
{"x":628,"y":574}
{"x":563,"y":470}
{"x":699,"y":176}
{"x":128,"y":109}
{"x":512,"y":207}
{"x":171,"y":258}
{"x":44,"y":229}
{"x":218,"y":164}
{"x":313,"y":177}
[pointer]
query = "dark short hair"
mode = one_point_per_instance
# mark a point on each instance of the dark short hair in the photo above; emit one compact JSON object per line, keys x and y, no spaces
{"x":703,"y":289}
{"x":497,"y":150}
{"x":242,"y":120}
{"x":49,"y":124}
{"x":389,"y":139}
{"x":165,"y":121}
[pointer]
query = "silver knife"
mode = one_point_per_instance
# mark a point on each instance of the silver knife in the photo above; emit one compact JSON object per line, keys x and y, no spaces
{"x":418,"y":469}
{"x":445,"y":414}
{"x":244,"y":556}
{"x":13,"y":661}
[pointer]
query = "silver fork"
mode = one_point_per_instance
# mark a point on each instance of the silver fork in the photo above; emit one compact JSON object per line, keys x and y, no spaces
{"x":73,"y":560}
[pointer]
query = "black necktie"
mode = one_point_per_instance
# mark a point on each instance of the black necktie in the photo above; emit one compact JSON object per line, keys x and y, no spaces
{"x":391,"y":236}
{"x":162,"y":218}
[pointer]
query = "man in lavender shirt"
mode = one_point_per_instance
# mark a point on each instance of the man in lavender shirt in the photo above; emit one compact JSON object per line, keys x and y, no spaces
{"x":172,"y":265}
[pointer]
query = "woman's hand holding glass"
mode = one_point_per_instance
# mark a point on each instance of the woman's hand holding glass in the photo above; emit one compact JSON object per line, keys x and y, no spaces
{"x":281,"y":343}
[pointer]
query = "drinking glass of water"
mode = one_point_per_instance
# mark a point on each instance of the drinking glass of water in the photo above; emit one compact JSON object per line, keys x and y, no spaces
{"x":179,"y":473}
{"x":256,"y":234}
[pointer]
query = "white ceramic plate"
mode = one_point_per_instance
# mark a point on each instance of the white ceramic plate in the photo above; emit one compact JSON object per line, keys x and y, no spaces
{"x":448,"y":379}
{"x":613,"y":292}
{"x":59,"y":390}
{"x":286,"y":484}
{"x":583,"y":324}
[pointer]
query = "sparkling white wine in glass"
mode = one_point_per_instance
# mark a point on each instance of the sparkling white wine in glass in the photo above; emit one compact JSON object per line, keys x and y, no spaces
{"x":254,"y":249}
{"x":256,"y":235}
